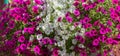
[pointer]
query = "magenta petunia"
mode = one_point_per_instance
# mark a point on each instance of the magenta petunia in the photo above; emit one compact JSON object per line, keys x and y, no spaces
{"x":109,"y":23}
{"x":115,"y":1}
{"x":114,"y":15}
{"x":29,"y":30}
{"x":86,"y":7}
{"x":37,"y":50}
{"x":101,"y":1}
{"x":109,"y":40}
{"x":95,"y":42}
{"x":83,"y":53}
{"x":83,"y":1}
{"x":103,"y":31}
{"x":17,"y":50}
{"x":102,"y":38}
{"x":45,"y":40}
{"x":118,"y":26}
{"x":55,"y":52}
{"x":117,"y":8}
{"x":105,"y":53}
{"x":69,"y":19}
{"x":112,"y":10}
{"x":18,"y":18}
{"x":88,"y":34}
{"x":118,"y":36}
{"x":23,"y":46}
{"x":51,"y":41}
{"x":93,"y":32}
{"x":11,"y":24}
{"x":76,"y":24}
{"x":59,"y":19}
{"x":76,"y":3}
{"x":86,"y":20}
{"x":35,"y":9}
{"x":21,"y":39}
{"x":115,"y":42}
{"x":87,"y":25}
{"x":80,"y":38}
{"x":76,"y":12}
{"x":39,"y":2}
{"x":108,"y":30}
{"x":96,"y":23}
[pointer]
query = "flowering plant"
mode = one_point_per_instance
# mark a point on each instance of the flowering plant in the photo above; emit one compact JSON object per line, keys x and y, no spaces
{"x":59,"y":28}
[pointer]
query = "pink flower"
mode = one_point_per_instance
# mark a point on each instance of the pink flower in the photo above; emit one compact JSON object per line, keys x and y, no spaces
{"x":114,"y":15}
{"x":86,"y":20}
{"x":93,"y":32}
{"x":76,"y":12}
{"x":83,"y":1}
{"x":17,"y":50}
{"x":55,"y":52}
{"x":95,"y":42}
{"x":109,"y":41}
{"x":103,"y":31}
{"x":29,"y":30}
{"x":80,"y":38}
{"x":117,"y":9}
{"x":83,"y":53}
{"x":37,"y":50}
{"x":115,"y":1}
{"x":18,"y":18}
{"x":59,"y":19}
{"x":11,"y":24}
{"x":76,"y":3}
{"x":101,"y":1}
{"x":109,"y":23}
{"x":23,"y":46}
{"x":86,"y":7}
{"x":118,"y":36}
{"x":105,"y":53}
{"x":102,"y":38}
{"x":108,"y":30}
{"x":35,"y":9}
{"x":96,"y":23}
{"x":115,"y":42}
{"x":39,"y":2}
{"x":21,"y":39}
{"x":76,"y":24}
{"x":118,"y":26}
{"x":88,"y":34}
{"x":69,"y":19}
{"x":112,"y":10}
{"x":87,"y":25}
{"x":51,"y":41}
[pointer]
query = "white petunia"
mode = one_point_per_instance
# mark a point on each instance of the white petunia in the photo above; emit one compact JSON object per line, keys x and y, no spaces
{"x":74,"y":41}
{"x":39,"y":36}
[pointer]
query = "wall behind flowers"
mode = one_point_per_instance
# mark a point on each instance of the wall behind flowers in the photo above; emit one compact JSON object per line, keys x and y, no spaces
{"x":60,"y":28}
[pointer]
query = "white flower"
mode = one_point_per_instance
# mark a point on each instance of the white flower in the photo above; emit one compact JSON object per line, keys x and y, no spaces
{"x":74,"y":41}
{"x":72,"y":54}
{"x":39,"y":36}
{"x":81,"y":46}
{"x":82,"y":30}
{"x":61,"y":43}
{"x":31,"y":38}
{"x":79,"y":25}
{"x":65,"y":37}
{"x":57,"y":38}
{"x":47,"y":32}
{"x":72,"y":28}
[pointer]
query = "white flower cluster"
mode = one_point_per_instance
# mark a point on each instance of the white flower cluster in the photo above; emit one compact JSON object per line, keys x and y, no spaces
{"x":63,"y":30}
